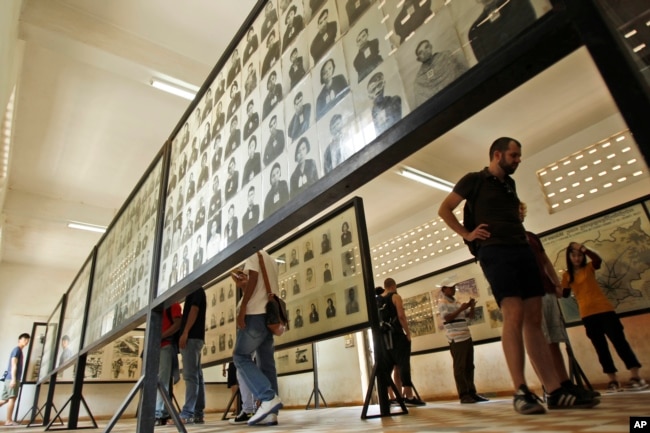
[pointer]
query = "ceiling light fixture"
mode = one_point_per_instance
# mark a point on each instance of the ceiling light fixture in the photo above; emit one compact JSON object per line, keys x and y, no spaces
{"x":426,"y":178}
{"x":87,"y":227}
{"x":185,"y":91}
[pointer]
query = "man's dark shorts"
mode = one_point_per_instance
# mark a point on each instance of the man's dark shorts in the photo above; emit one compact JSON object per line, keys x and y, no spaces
{"x":511,"y":271}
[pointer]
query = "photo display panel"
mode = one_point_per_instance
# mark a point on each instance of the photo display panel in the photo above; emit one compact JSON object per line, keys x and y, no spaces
{"x":321,"y":277}
{"x":422,"y":296}
{"x":51,"y":339}
{"x":118,"y":361}
{"x":220,"y":321}
{"x":121,"y":281}
{"x":35,"y":357}
{"x":73,"y":317}
{"x":311,"y":83}
{"x":297,"y":359}
{"x":621,"y":239}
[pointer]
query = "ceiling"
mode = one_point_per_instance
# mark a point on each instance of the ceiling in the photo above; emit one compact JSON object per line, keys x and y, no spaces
{"x":87,"y":123}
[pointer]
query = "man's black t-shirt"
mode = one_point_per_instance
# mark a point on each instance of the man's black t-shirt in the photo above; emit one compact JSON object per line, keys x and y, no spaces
{"x":496,"y":205}
{"x":197,"y":299}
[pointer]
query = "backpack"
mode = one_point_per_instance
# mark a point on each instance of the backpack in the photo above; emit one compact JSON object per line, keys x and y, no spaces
{"x":388,"y":321}
{"x":176,"y":336}
{"x":468,"y":213}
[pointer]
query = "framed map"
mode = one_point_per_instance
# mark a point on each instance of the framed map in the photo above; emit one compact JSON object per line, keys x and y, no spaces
{"x":621,"y":238}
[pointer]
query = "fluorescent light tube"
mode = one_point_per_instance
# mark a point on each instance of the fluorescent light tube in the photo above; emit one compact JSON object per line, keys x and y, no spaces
{"x":174,"y":89}
{"x":426,"y":179}
{"x":87,"y":227}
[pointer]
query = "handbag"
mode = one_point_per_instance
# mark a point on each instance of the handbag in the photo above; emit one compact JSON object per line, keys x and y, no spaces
{"x":276,"y":308}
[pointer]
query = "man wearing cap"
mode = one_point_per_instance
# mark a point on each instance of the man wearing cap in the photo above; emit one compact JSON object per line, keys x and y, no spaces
{"x":461,"y":346}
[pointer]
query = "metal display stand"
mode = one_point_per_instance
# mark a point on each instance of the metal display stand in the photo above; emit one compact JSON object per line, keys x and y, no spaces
{"x":235,"y":398}
{"x":315,"y":393}
{"x":383,"y":382}
{"x":35,"y":411}
{"x":75,"y":400}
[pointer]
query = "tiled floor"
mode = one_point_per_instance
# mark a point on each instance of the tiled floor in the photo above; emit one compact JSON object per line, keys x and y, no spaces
{"x":496,"y":416}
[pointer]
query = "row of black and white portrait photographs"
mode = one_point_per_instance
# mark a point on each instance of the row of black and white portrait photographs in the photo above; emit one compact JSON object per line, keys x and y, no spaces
{"x":320,"y":275}
{"x":326,"y":254}
{"x":220,"y":325}
{"x":121,"y":280}
{"x":412,"y":48}
{"x":320,"y":311}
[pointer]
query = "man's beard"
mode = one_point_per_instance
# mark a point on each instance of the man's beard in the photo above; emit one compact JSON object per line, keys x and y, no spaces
{"x":507,"y":168}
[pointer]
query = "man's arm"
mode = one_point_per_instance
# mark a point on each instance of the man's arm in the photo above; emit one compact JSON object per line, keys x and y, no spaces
{"x":176,"y":325}
{"x":446,"y":212}
{"x":14,"y":371}
{"x":464,"y":306}
{"x":246,"y":282}
{"x":401,"y":315}
{"x":191,"y":319}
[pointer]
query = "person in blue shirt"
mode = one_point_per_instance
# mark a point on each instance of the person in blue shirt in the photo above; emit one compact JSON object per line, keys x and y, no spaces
{"x":12,"y":378}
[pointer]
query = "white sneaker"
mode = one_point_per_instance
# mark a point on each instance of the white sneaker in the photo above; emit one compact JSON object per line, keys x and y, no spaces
{"x":266,"y":408}
{"x":270,"y":419}
{"x":636,"y":384}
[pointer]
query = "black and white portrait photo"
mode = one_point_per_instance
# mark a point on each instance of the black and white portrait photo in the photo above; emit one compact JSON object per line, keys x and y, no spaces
{"x":431,"y":59}
{"x":325,"y":243}
{"x":338,"y":135}
{"x":250,"y":79}
{"x":351,"y":300}
{"x":253,"y":165}
{"x":216,"y":152}
{"x":323,"y":31}
{"x":252,"y":120}
{"x":252,"y":213}
{"x":348,"y":265}
{"x":234,"y":137}
{"x":272,"y":53}
{"x":407,"y":16}
{"x":295,"y":63}
{"x":269,"y":19}
{"x":366,"y":45}
{"x":330,"y":83}
{"x":234,"y":101}
{"x":380,"y":100}
{"x":299,"y":109}
{"x":273,"y":94}
{"x":232,"y":180}
{"x":218,"y":87}
{"x":273,"y":136}
{"x":250,"y":45}
{"x":484,"y":26}
{"x":277,"y":188}
{"x":218,"y":117}
{"x":350,"y":11}
{"x":234,"y":68}
{"x":330,"y":309}
{"x":313,"y":312}
{"x":327,"y":272}
{"x":305,"y":163}
{"x":231,"y":224}
{"x":208,"y":102}
{"x":292,"y":24}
